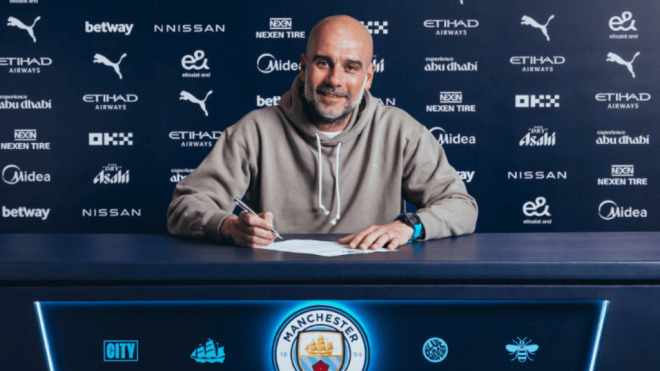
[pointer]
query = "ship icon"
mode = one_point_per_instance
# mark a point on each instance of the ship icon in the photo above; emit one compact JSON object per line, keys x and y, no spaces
{"x":211,"y":353}
{"x":319,"y":348}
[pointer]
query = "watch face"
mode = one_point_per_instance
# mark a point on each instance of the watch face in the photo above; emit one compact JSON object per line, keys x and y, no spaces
{"x":413,"y":218}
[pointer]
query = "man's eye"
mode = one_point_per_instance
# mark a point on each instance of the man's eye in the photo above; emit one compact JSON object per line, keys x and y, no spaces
{"x":323,"y":63}
{"x":352,"y":68}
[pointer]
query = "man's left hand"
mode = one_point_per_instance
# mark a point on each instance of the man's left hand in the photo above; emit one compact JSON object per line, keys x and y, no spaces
{"x":376,"y":236}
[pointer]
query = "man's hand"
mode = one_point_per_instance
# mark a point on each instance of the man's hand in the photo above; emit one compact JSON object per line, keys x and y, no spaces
{"x":376,"y":236}
{"x":248,"y":230}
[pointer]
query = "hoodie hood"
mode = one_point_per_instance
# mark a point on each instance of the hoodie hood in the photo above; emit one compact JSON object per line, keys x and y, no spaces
{"x":294,"y":108}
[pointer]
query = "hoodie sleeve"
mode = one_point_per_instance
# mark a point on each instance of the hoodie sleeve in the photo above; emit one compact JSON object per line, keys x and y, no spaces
{"x":434,"y":187}
{"x":203,"y":200}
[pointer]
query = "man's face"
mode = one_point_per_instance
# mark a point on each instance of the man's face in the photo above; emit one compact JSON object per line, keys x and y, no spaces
{"x":336,"y":72}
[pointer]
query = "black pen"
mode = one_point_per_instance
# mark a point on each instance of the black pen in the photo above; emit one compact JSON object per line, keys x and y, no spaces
{"x":246,"y":208}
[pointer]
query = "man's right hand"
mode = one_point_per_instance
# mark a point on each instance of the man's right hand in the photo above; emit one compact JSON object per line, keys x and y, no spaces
{"x":248,"y":230}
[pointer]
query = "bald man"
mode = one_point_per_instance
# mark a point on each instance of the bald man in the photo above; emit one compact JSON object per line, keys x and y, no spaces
{"x":328,"y":159}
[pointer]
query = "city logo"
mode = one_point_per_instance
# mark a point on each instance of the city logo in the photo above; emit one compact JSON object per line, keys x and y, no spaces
{"x":209,"y":353}
{"x":539,"y":175}
{"x":376,"y":27}
{"x":280,"y":29}
{"x":271,"y":64}
{"x":538,"y":209}
{"x":196,"y":138}
{"x":623,"y":175}
{"x":522,"y":349}
{"x":620,"y":137}
{"x":268,"y":102}
{"x":533,"y":101}
{"x":106,"y":27}
{"x":451,"y":101}
{"x":628,"y":100}
{"x":110,"y":98}
{"x":320,"y":338}
{"x":189,"y":28}
{"x":112,"y":213}
{"x":466,"y":176}
{"x":435,"y":350}
{"x":621,"y":24}
{"x":448,"y":64}
{"x":190,"y":62}
{"x":108,"y":139}
{"x":528,"y":21}
{"x":12,"y":174}
{"x":24,"y":212}
{"x":448,"y":27}
{"x":538,"y":136}
{"x":281,"y":23}
{"x":611,"y":57}
{"x":180,"y":174}
{"x":112,"y":174}
{"x":33,"y":65}
{"x":387,"y":101}
{"x":120,"y":350}
{"x":16,"y":23}
{"x":380,"y":66}
{"x":191,"y":98}
{"x":22,"y":102}
{"x":619,"y":212}
{"x":23,"y":136}
{"x":98,"y":58}
{"x":445,"y":138}
{"x":529,"y":63}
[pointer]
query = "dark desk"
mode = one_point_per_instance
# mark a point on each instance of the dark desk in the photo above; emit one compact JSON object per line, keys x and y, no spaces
{"x":623,"y":268}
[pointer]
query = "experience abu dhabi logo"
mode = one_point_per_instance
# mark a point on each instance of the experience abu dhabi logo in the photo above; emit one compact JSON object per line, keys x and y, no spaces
{"x":320,"y":338}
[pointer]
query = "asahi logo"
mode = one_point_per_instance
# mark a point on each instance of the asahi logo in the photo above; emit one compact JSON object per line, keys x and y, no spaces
{"x":537,"y":64}
{"x":110,"y":139}
{"x":623,"y":100}
{"x":534,"y":101}
{"x":448,"y":64}
{"x":197,"y":63}
{"x":623,"y":175}
{"x":451,"y":27}
{"x":25,"y":139}
{"x":12,"y":174}
{"x":22,"y":102}
{"x":451,"y":101}
{"x":537,"y":175}
{"x":537,"y":209}
{"x":379,"y":66}
{"x":446,"y":138}
{"x":280,"y":28}
{"x":609,"y":210}
{"x":112,"y":102}
{"x":25,"y":65}
{"x":624,"y":23}
{"x":107,"y":27}
{"x":180,"y":174}
{"x":112,"y":174}
{"x":620,"y":137}
{"x":267,"y":63}
{"x":538,"y":136}
{"x":196,"y":138}
{"x":112,"y":213}
{"x":189,"y":28}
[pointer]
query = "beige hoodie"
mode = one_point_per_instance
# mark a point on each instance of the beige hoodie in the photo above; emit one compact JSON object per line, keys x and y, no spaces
{"x":273,"y":156}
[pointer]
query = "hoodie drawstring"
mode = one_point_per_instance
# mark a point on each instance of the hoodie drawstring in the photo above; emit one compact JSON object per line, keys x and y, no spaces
{"x":325,"y":211}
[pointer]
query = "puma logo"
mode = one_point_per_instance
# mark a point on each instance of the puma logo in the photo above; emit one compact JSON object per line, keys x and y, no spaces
{"x":528,"y":21}
{"x":611,"y":57}
{"x":98,"y":58}
{"x":189,"y":97}
{"x":16,"y":23}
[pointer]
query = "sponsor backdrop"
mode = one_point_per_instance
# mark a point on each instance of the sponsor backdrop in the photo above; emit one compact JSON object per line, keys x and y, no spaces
{"x":546,"y":108}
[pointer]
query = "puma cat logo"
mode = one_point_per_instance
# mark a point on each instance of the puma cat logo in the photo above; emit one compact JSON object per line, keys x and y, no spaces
{"x":98,"y":58}
{"x":528,"y":21}
{"x":16,"y":23}
{"x":611,"y":57}
{"x":189,"y":97}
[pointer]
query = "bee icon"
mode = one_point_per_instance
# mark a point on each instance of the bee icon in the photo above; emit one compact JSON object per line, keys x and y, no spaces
{"x":522,"y":349}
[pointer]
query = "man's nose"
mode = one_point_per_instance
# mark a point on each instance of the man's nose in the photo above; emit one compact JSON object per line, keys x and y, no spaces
{"x":334,"y":77}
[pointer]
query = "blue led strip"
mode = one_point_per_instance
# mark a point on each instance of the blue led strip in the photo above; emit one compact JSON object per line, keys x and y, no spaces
{"x":599,"y":334}
{"x":43,"y":335}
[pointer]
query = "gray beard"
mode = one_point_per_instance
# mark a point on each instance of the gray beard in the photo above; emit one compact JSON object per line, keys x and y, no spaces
{"x":327,"y":116}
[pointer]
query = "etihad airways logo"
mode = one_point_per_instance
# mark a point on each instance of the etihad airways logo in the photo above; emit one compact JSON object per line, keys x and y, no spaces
{"x":118,"y":102}
{"x":107,"y":27}
{"x":446,"y":138}
{"x":189,"y":28}
{"x":12,"y":174}
{"x":623,"y":100}
{"x":451,"y":27}
{"x":448,"y":64}
{"x":609,"y":210}
{"x":18,"y":24}
{"x":25,"y":65}
{"x":196,"y":138}
{"x":267,"y":63}
{"x":529,"y":21}
{"x":537,"y":64}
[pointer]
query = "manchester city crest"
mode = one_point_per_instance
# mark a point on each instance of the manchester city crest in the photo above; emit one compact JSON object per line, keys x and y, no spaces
{"x":320,"y":338}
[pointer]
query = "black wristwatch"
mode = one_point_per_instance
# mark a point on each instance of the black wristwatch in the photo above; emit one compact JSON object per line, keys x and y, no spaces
{"x":415,"y":222}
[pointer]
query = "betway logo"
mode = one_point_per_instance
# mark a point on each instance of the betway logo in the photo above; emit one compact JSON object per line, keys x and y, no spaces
{"x":108,"y":27}
{"x":268,"y":102}
{"x":24,"y":212}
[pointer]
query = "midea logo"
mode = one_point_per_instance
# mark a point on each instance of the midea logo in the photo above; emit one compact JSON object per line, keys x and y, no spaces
{"x":619,"y":212}
{"x":274,"y":64}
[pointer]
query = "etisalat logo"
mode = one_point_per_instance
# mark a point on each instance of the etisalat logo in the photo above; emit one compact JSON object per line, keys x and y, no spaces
{"x":12,"y":174}
{"x":623,"y":100}
{"x":537,"y":209}
{"x":451,"y":27}
{"x":537,"y":64}
{"x":180,"y":174}
{"x":611,"y":57}
{"x":112,"y":174}
{"x":623,"y":175}
{"x":451,"y":101}
{"x":196,"y":62}
{"x":447,"y":138}
{"x":25,"y":65}
{"x":529,"y":21}
{"x":320,"y":338}
{"x":196,"y":138}
{"x":448,"y":64}
{"x":107,"y":27}
{"x":267,"y":63}
{"x":609,"y":210}
{"x":25,"y":139}
{"x":110,"y":139}
{"x":376,"y":27}
{"x":280,"y":28}
{"x":189,"y":28}
{"x":538,"y":136}
{"x":620,"y":137}
{"x":184,"y":95}
{"x":112,"y":213}
{"x":120,"y":351}
{"x":117,"y":102}
{"x":22,"y":102}
{"x":621,"y":24}
{"x":534,"y":101}
{"x":12,"y":21}
{"x":24,"y":212}
{"x":98,"y":58}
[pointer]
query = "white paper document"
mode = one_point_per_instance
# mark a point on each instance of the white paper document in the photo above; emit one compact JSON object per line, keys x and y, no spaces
{"x":321,"y":248}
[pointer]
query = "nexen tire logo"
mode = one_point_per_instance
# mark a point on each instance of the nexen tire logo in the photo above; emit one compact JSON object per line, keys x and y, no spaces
{"x":619,"y":212}
{"x":266,"y":63}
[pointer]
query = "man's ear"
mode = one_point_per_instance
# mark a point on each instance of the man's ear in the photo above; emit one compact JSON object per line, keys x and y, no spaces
{"x":303,"y":66}
{"x":370,"y":76}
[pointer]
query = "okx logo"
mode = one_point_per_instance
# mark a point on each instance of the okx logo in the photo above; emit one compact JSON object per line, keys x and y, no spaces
{"x":533,"y":101}
{"x":120,"y":351}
